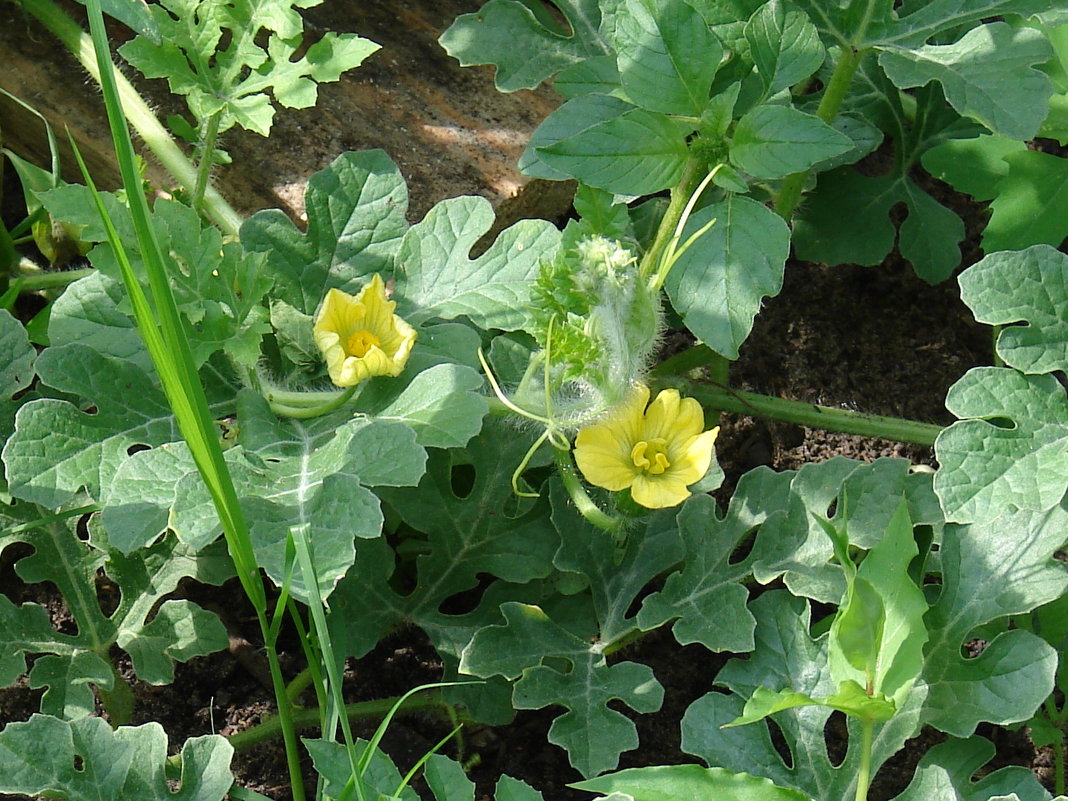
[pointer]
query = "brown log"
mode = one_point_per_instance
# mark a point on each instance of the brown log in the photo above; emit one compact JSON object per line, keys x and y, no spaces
{"x":447,"y":128}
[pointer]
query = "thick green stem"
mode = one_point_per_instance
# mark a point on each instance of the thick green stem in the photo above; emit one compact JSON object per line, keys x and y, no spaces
{"x":864,"y":771}
{"x":119,"y":700}
{"x":790,"y":192}
{"x":583,"y":503}
{"x":298,"y":398}
{"x":207,"y":161}
{"x":620,"y":643}
{"x":142,"y":118}
{"x":307,"y":412}
{"x":285,"y":717}
{"x":40,"y":280}
{"x":807,"y":414}
{"x":680,"y":195}
{"x":307,"y":718}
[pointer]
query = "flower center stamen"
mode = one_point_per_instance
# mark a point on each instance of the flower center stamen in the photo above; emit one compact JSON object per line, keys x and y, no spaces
{"x":651,"y":455}
{"x":360,"y":342}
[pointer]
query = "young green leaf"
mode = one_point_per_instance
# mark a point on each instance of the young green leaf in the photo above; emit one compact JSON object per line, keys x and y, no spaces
{"x":854,"y":700}
{"x":786,"y":656}
{"x":765,"y":702}
{"x":784,"y":45}
{"x":857,"y":631}
{"x":216,"y":284}
{"x":209,"y":52}
{"x":877,"y":639}
{"x":775,"y":141}
{"x":718,"y":284}
{"x":667,"y":55}
{"x":524,"y":41}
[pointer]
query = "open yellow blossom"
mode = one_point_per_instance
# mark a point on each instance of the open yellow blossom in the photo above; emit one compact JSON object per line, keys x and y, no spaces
{"x":360,"y":336}
{"x":657,"y":451}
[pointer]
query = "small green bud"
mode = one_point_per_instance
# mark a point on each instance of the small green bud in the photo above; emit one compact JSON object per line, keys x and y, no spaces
{"x":597,"y":322}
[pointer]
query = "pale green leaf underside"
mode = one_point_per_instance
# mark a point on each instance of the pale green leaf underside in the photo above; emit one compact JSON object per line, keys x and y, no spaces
{"x":1026,"y":291}
{"x":128,"y":764}
{"x":355,"y":210}
{"x":437,"y":278}
{"x":989,"y":466}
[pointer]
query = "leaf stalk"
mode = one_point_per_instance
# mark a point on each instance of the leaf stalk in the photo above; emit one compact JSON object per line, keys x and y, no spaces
{"x":138,"y":113}
{"x":813,"y":415}
{"x":833,"y":96}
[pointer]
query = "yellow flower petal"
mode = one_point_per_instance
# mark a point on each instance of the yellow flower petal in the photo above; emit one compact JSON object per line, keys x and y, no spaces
{"x":360,"y":337}
{"x":656,"y":451}
{"x":695,"y":457}
{"x":658,"y":492}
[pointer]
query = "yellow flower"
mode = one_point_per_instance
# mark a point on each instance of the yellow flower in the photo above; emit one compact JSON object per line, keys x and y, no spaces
{"x":360,"y":336}
{"x":656,"y":452}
